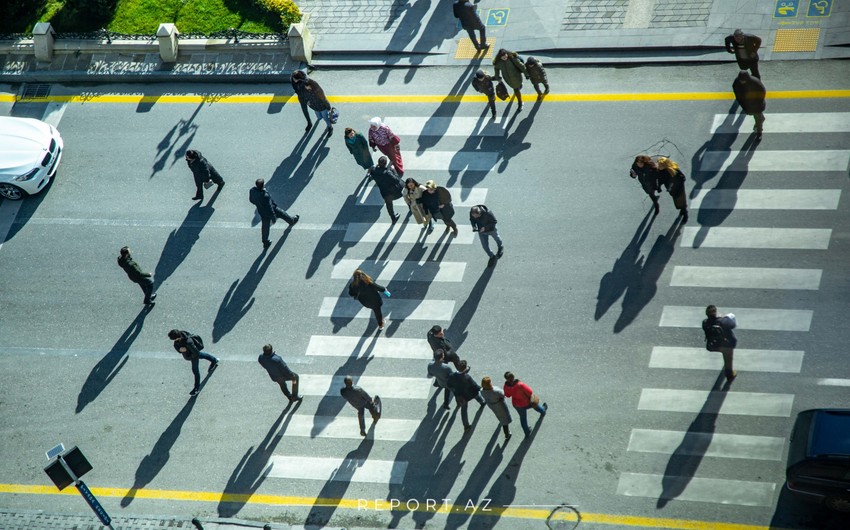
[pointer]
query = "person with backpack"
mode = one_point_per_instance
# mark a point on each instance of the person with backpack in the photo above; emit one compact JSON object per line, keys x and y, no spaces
{"x":467,"y":13}
{"x":484,"y":224}
{"x":720,"y":337}
{"x":510,"y":69}
{"x":191,"y":346}
{"x":389,"y":184}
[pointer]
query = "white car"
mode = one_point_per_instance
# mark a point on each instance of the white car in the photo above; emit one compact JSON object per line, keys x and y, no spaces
{"x":30,"y":151}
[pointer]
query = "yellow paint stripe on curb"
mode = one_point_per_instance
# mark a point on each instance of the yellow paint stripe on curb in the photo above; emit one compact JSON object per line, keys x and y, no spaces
{"x":381,"y":505}
{"x":268,"y":98}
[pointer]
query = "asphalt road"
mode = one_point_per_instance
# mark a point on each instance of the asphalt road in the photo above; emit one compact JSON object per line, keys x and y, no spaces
{"x":580,"y":307}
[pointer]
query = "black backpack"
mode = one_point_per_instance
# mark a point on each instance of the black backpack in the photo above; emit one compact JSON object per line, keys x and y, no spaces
{"x":199,"y":342}
{"x":715,"y":337}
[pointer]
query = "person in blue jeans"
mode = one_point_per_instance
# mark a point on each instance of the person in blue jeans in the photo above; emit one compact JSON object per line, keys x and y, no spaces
{"x":484,"y":222}
{"x":310,"y":94}
{"x":522,"y":398}
{"x":190,"y":346}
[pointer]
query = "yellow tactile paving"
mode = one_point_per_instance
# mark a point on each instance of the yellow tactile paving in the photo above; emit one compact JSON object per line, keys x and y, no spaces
{"x":466,"y":50}
{"x":796,"y":40}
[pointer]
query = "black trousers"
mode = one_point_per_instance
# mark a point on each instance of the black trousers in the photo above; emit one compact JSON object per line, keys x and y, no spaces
{"x":491,"y":103}
{"x":752,"y":66}
{"x":483,"y":32}
{"x":147,"y":288}
{"x":199,"y":186}
{"x":266,"y":222}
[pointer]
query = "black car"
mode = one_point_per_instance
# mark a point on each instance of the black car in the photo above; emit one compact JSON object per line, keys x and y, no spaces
{"x":819,"y":457}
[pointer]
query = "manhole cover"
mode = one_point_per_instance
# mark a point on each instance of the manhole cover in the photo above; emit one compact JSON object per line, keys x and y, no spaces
{"x":564,"y":517}
{"x":35,"y":91}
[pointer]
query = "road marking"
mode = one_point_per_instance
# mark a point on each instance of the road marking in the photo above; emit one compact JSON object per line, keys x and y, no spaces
{"x":832,"y":382}
{"x":757,"y":237}
{"x":781,"y":361}
{"x":378,"y":347}
{"x":719,"y":491}
{"x":717,"y":445}
{"x":450,"y":160}
{"x":726,"y":199}
{"x":402,"y":271}
{"x":443,"y":126}
{"x":53,"y":113}
{"x":678,"y":316}
{"x":788,"y":122}
{"x":461,"y":197}
{"x":394,"y":309}
{"x":402,"y":233}
{"x":345,"y":426}
{"x":746,"y":278}
{"x":386,"y":387}
{"x":337,"y":469}
{"x":791,"y":160}
{"x":711,"y":402}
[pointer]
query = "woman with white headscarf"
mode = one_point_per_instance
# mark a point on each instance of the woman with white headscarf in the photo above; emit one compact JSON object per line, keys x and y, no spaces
{"x":382,"y":137}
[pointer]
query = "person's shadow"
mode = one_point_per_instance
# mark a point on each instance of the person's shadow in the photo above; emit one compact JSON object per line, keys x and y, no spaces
{"x":515,"y":143}
{"x":458,"y":328}
{"x":108,"y":367}
{"x":293,"y":174}
{"x":446,"y":109}
{"x":720,"y":142}
{"x":407,"y":29}
{"x":337,"y":484}
{"x":477,"y":481}
{"x":183,"y":132}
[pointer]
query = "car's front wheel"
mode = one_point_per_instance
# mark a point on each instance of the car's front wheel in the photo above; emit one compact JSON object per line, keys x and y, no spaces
{"x":838,"y":503}
{"x":13,"y":193}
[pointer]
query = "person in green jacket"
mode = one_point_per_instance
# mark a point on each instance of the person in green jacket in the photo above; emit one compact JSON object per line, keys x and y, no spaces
{"x":509,"y":68}
{"x":359,"y":147}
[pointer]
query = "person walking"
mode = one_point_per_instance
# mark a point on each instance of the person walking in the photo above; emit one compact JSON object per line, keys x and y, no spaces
{"x":382,"y":137}
{"x":465,"y":389}
{"x":523,"y":398}
{"x":470,"y":21}
{"x":137,"y":275}
{"x":268,"y":210}
{"x":483,"y":83}
{"x":537,"y":75}
{"x":745,"y":46}
{"x":310,"y":94}
{"x":442,"y":346}
{"x":440,"y":371}
{"x":280,"y":372}
{"x":358,"y":146}
{"x":646,"y":172}
{"x":368,"y":293}
{"x":437,"y":203}
{"x":389,"y":184}
{"x":484,"y":223}
{"x":361,"y":401}
{"x":203,"y":172}
{"x":750,"y":94}
{"x":191,"y":346}
{"x":412,"y":192}
{"x":674,"y":182}
{"x":495,"y":399}
{"x":720,"y":337}
{"x":509,"y":68}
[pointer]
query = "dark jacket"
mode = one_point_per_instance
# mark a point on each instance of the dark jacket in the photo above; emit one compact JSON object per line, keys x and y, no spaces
{"x":431,"y":203}
{"x":275,"y":366}
{"x":185,"y":341}
{"x":468,"y":15}
{"x":511,"y":71}
{"x":486,"y":220}
{"x":134,"y":272}
{"x":356,"y":396}
{"x":463,"y":386}
{"x":484,"y":85}
{"x":441,"y":372}
{"x":202,"y":170}
{"x":675,"y":184}
{"x":747,"y":50}
{"x":310,"y":94}
{"x":359,"y":147}
{"x":750,"y":94}
{"x":648,"y":178}
{"x":727,"y":324}
{"x":536,"y":73}
{"x":388,"y":181}
{"x":367,"y":294}
{"x":439,"y":343}
{"x":264,"y":203}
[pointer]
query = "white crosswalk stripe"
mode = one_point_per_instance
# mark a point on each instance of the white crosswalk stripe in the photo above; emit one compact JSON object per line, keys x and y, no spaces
{"x":755,"y":237}
{"x":746,"y":277}
{"x":748,"y":318}
{"x":711,"y":402}
{"x":461,"y":197}
{"x":789,"y":122}
{"x":792,"y":160}
{"x":378,"y":347}
{"x":443,"y":126}
{"x":753,"y":199}
{"x":337,"y":469}
{"x":411,"y":271}
{"x":782,"y":361}
{"x":450,"y":160}
{"x":345,"y":426}
{"x":833,"y":382}
{"x":403,"y":233}
{"x":386,"y":387}
{"x":399,"y":309}
{"x":720,"y":491}
{"x":706,"y":444}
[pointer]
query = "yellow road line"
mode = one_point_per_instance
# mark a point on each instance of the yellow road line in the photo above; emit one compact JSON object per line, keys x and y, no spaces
{"x":269,"y":98}
{"x":382,"y":505}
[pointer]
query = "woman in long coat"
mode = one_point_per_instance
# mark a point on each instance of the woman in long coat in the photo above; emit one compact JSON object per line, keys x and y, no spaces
{"x":510,"y":69}
{"x":495,"y":399}
{"x":383,"y":138}
{"x":359,"y":147}
{"x":674,"y":181}
{"x":646,"y":172}
{"x":437,"y":201}
{"x":368,"y":293}
{"x":412,"y":193}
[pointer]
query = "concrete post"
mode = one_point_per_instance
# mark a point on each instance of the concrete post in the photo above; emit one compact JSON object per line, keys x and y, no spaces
{"x":301,"y":41}
{"x":166,"y":34}
{"x":43,"y":39}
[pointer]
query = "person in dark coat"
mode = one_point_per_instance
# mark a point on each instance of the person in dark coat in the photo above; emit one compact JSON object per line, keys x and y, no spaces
{"x":537,"y":75}
{"x":368,"y":293}
{"x":437,"y":202}
{"x":389,"y":184}
{"x":727,"y":324}
{"x":203,"y":172}
{"x":646,"y":172}
{"x":483,"y":83}
{"x":510,"y":69}
{"x":750,"y":94}
{"x":280,"y":372}
{"x":745,"y":46}
{"x":268,"y":210}
{"x":495,"y":399}
{"x":310,"y":94}
{"x":137,"y":275}
{"x":484,"y":223}
{"x":360,"y":400}
{"x":187,"y":345}
{"x":470,"y":21}
{"x":465,"y":389}
{"x":358,"y":146}
{"x":674,"y":182}
{"x":440,"y":371}
{"x":442,"y":346}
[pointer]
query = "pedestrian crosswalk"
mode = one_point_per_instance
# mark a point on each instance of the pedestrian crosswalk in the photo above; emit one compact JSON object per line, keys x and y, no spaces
{"x":719,"y":199}
{"x":337,"y":469}
{"x":791,"y":160}
{"x":757,"y":237}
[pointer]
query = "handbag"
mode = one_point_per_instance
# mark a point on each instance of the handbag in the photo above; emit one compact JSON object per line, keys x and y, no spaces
{"x":501,"y":91}
{"x":208,"y":184}
{"x":535,"y":400}
{"x":333,"y":115}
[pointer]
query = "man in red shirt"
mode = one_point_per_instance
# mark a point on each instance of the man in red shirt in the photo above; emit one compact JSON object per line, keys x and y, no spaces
{"x":523,"y":398}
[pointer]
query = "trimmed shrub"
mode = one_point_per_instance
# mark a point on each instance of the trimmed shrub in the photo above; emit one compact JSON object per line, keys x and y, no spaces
{"x":288,"y":11}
